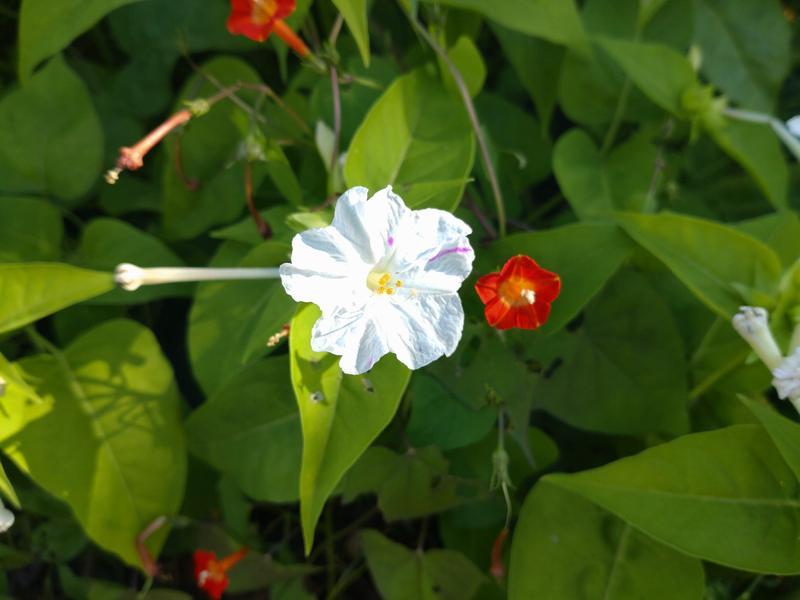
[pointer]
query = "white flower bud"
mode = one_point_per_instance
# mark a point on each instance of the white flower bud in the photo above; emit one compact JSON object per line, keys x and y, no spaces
{"x":6,"y":518}
{"x":793,"y":125}
{"x":787,"y":377}
{"x":751,"y":323}
{"x":130,"y":277}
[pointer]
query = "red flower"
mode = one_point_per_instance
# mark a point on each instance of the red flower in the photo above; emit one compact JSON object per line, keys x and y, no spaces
{"x":211,"y":574}
{"x":256,"y":19}
{"x":519,"y":295}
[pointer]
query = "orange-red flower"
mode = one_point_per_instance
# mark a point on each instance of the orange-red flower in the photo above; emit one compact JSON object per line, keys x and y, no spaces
{"x":519,"y":295}
{"x":257,"y":19}
{"x":211,"y":574}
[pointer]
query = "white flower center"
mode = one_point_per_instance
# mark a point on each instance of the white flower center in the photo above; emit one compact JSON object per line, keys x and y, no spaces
{"x":382,"y":282}
{"x":528,"y":295}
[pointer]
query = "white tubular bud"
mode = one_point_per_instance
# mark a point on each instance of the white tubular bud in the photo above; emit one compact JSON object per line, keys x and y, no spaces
{"x":787,"y":378}
{"x":751,"y":323}
{"x":6,"y":518}
{"x":793,"y":125}
{"x":130,"y":277}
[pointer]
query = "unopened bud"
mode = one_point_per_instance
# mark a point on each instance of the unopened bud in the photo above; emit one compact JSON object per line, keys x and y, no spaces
{"x":751,"y":323}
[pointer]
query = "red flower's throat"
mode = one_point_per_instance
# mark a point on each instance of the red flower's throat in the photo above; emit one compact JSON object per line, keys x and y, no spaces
{"x":517,"y":291}
{"x":264,"y":11}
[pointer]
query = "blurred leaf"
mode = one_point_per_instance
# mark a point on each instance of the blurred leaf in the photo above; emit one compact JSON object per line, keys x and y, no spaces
{"x":250,"y":431}
{"x":7,"y":490}
{"x":659,"y":71}
{"x":58,"y":540}
{"x":417,"y":138}
{"x":340,"y":414}
{"x":624,"y":371}
{"x":758,"y":150}
{"x":785,"y":434}
{"x":717,"y":263}
{"x":113,"y":417}
{"x":246,"y":232}
{"x":563,"y":250}
{"x":738,"y":506}
{"x":468,"y":60}
{"x":566,"y":547}
{"x":230,"y":322}
{"x":403,"y":574}
{"x":30,"y":291}
{"x":595,"y":184}
{"x":48,"y":26}
{"x":780,"y":231}
{"x":557,"y":21}
{"x":50,"y":138}
{"x":355,"y":15}
{"x":30,"y":230}
{"x":745,"y":46}
{"x":106,"y":243}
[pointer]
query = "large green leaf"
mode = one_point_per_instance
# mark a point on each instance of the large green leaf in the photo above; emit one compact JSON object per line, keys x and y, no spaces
{"x":745,"y":46}
{"x":660,"y":72}
{"x":416,"y":137}
{"x":756,"y":147}
{"x":780,"y":231}
{"x":230,"y":322}
{"x":30,"y":230}
{"x":785,"y":434}
{"x":250,"y":430}
{"x":110,"y":443}
{"x":50,"y":137}
{"x":738,"y":506}
{"x":566,"y":547}
{"x":47,"y":26}
{"x":106,"y":243}
{"x":595,"y":184}
{"x":716,"y":262}
{"x":30,"y":291}
{"x":557,"y":21}
{"x":624,"y":371}
{"x":564,"y":251}
{"x":355,"y":15}
{"x":340,"y":414}
{"x":403,"y":574}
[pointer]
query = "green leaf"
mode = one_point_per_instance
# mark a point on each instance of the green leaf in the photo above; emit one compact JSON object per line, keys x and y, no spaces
{"x":340,"y":414}
{"x":612,"y":375}
{"x":468,"y":60}
{"x":30,"y":230}
{"x":7,"y":490}
{"x":30,"y":291}
{"x":409,"y":485}
{"x":785,"y":434}
{"x":758,"y":150}
{"x":48,"y":26}
{"x":537,"y":63}
{"x":403,"y":574}
{"x":355,"y":15}
{"x":208,"y":146}
{"x":106,"y":243}
{"x":250,"y":431}
{"x":780,"y":231}
{"x":557,"y":21}
{"x":745,"y":46}
{"x":660,"y":72}
{"x":738,"y":506}
{"x":563,"y":250}
{"x":230,"y":322}
{"x":595,"y":184}
{"x":50,"y":137}
{"x":713,"y":260}
{"x":566,"y":547}
{"x":14,"y":381}
{"x":416,"y":137}
{"x":113,"y":418}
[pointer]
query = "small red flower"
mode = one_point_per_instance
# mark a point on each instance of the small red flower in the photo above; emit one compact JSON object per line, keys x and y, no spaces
{"x":257,"y":19}
{"x":519,"y":295}
{"x":211,"y":574}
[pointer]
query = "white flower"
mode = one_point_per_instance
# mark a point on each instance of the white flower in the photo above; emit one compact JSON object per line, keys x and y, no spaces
{"x":751,"y":323}
{"x":793,"y":125}
{"x":787,"y":377}
{"x":6,"y":518}
{"x":386,"y":279}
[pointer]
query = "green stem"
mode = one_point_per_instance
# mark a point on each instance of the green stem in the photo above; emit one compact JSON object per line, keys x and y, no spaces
{"x":348,"y":578}
{"x":616,"y":120}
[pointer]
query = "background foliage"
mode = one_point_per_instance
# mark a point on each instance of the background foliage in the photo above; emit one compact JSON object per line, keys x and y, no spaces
{"x":648,"y":458}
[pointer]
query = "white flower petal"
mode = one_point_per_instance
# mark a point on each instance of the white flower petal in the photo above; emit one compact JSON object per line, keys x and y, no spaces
{"x":325,"y":270}
{"x":793,"y":125}
{"x":354,"y":335}
{"x":787,"y":377}
{"x":6,"y":518}
{"x":423,"y":328}
{"x":369,"y":224}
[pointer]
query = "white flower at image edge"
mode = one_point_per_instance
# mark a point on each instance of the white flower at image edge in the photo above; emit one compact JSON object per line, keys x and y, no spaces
{"x":787,"y":377}
{"x":386,"y":279}
{"x":6,"y":518}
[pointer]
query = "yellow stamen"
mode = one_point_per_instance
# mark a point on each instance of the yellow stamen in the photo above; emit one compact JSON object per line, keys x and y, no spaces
{"x":385,"y":279}
{"x":398,"y":283}
{"x":381,"y":289}
{"x":389,"y":291}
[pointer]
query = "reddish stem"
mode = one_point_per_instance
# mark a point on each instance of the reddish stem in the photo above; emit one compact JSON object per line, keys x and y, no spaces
{"x":263,"y":227}
{"x":498,"y":569}
{"x":132,"y":158}
{"x":191,"y":184}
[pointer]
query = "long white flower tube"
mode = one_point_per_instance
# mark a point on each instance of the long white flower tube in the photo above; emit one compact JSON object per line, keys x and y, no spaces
{"x":130,"y":277}
{"x":787,"y":379}
{"x":752,"y":324}
{"x":6,"y":518}
{"x":386,"y":279}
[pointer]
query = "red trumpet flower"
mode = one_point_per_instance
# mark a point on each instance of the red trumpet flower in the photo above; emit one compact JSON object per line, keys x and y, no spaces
{"x":257,"y":19}
{"x":211,"y":574}
{"x":519,"y":295}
